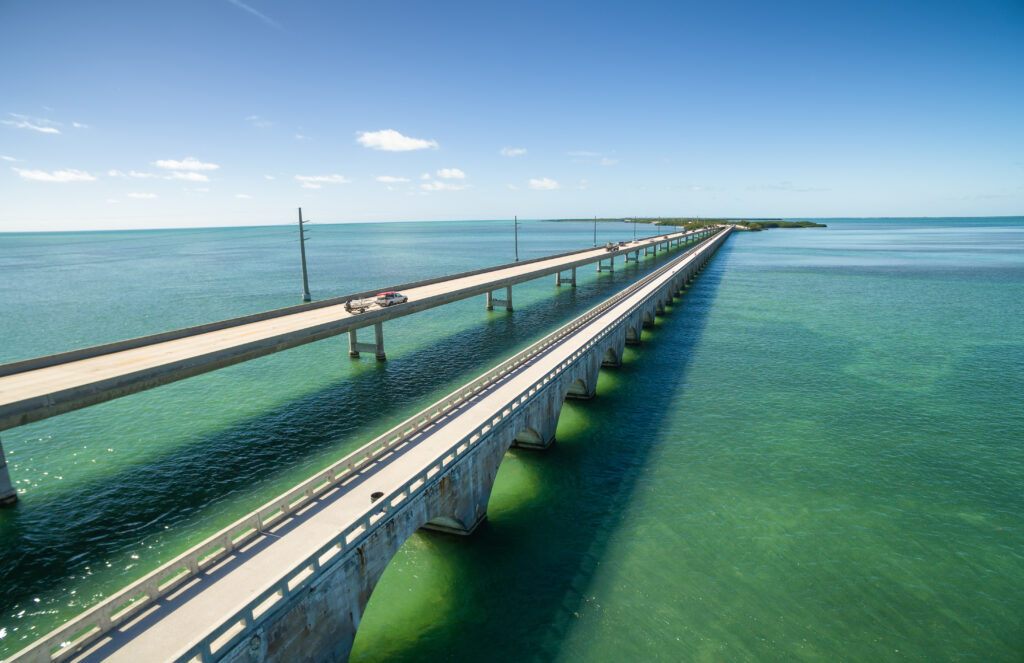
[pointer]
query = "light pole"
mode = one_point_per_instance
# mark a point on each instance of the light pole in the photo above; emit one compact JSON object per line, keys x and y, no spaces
{"x":595,"y":232}
{"x":515,"y":223}
{"x":302,"y":249}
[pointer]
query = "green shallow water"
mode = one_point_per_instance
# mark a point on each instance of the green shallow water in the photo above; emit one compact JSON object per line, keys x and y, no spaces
{"x":815,"y":455}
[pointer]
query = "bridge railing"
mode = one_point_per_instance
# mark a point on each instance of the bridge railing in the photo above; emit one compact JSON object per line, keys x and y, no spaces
{"x":122,"y":606}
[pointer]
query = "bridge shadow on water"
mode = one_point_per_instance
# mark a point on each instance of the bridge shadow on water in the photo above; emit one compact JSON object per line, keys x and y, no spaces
{"x":515,"y":588}
{"x":57,"y":542}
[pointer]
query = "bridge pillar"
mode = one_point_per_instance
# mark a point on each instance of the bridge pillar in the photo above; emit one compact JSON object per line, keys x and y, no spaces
{"x":559,"y":280}
{"x":493,"y":301}
{"x":612,"y":357}
{"x":635,"y":258}
{"x":8,"y":495}
{"x":377,"y":347}
{"x":541,"y":422}
{"x":609,"y":268}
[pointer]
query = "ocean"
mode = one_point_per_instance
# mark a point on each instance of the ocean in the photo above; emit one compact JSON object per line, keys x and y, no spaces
{"x":816,"y":454}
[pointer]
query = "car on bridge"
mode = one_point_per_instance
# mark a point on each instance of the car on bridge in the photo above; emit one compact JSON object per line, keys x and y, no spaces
{"x":391,"y":298}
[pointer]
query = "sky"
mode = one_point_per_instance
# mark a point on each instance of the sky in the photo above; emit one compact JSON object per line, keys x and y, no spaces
{"x":148,"y":114}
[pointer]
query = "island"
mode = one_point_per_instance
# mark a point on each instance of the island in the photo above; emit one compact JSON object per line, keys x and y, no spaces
{"x":692,"y":223}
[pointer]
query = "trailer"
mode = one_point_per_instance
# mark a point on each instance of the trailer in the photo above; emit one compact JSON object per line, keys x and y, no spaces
{"x":360,"y":305}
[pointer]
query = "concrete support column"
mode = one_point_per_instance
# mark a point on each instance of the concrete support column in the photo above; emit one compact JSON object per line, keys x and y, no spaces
{"x":493,"y":301}
{"x":635,"y":258}
{"x":8,"y":496}
{"x":559,"y":280}
{"x":541,"y":423}
{"x":609,"y":268}
{"x":377,"y":347}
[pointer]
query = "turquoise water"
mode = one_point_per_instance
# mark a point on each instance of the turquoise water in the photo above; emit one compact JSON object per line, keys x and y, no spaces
{"x":815,"y":455}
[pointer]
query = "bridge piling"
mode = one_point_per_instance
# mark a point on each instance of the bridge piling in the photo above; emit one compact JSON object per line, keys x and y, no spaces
{"x":559,"y":280}
{"x":611,"y":265}
{"x":377,"y":347}
{"x":492,"y":301}
{"x":8,"y":495}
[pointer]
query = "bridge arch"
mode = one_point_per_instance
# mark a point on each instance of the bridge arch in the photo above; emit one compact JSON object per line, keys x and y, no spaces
{"x":580,"y":389}
{"x":611,"y":358}
{"x":632,"y":335}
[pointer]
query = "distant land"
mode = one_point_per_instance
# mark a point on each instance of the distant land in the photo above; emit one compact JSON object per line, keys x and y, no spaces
{"x":690,"y":223}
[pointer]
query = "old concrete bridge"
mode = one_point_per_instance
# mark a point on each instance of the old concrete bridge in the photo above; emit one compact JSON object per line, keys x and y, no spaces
{"x":43,"y":387}
{"x":289,"y":582}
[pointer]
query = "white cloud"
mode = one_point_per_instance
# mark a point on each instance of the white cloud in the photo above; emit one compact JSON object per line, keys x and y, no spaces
{"x":113,"y":201}
{"x":435,"y":185}
{"x":190,"y":163}
{"x":259,"y":122}
{"x":513,"y":151}
{"x":141,"y":196}
{"x":389,"y":179}
{"x":606,"y":161}
{"x":33,"y":123}
{"x":7,"y":158}
{"x":62,"y":176}
{"x":513,"y":187}
{"x":301,"y":137}
{"x":390,"y":140}
{"x":425,"y":176}
{"x":79,"y":125}
{"x":544,"y":184}
{"x":310,"y":185}
{"x":333,"y":179}
{"x":243,"y":196}
{"x":133,"y":173}
{"x":269,"y":177}
{"x":451,"y":174}
{"x":188,"y":177}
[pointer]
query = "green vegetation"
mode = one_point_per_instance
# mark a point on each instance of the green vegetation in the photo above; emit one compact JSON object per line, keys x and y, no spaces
{"x":763,"y":224}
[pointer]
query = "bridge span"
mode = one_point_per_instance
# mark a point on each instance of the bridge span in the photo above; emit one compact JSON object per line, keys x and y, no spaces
{"x":290,"y":581}
{"x":43,"y":387}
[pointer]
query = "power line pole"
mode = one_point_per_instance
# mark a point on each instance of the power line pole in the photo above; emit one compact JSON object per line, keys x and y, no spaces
{"x":595,"y":232}
{"x":516,"y":225}
{"x":302,"y":248}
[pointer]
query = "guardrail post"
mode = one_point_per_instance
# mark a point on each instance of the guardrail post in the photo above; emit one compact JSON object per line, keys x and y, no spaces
{"x":8,"y":495}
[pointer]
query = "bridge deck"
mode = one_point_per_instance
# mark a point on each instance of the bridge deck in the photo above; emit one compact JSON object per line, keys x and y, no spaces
{"x":47,"y":390}
{"x":174,"y":624}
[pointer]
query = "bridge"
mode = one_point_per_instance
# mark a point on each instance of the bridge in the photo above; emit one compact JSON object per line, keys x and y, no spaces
{"x":35,"y":389}
{"x":290,"y":581}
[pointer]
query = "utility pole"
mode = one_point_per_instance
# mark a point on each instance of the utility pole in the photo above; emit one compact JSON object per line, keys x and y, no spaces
{"x":516,"y":225}
{"x":595,"y":232}
{"x":634,"y":228}
{"x":302,"y":248}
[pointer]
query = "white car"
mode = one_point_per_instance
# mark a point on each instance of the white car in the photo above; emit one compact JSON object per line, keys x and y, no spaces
{"x":391,"y":297}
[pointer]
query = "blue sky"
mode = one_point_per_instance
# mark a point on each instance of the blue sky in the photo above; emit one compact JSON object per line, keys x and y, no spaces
{"x":196,"y":113}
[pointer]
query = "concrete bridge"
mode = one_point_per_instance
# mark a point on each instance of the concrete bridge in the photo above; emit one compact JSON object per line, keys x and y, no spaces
{"x":290,"y":581}
{"x":35,"y":389}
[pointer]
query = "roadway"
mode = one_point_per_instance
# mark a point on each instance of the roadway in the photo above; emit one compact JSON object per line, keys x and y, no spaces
{"x":35,"y":389}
